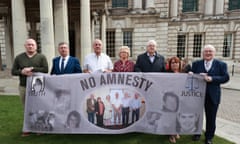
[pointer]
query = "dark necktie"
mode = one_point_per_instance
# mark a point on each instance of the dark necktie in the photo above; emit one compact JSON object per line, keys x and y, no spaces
{"x":62,"y":66}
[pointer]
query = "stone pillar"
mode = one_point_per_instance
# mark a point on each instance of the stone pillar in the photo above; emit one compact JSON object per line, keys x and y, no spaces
{"x":93,"y":29}
{"x":219,"y":7}
{"x":137,"y":4}
{"x":19,"y":26}
{"x":174,"y":8}
{"x":46,"y":30}
{"x":9,"y":48}
{"x":208,"y":7}
{"x":86,"y":44}
{"x":118,"y":39}
{"x":94,"y":21}
{"x":103,"y":32}
{"x":150,"y":4}
{"x":60,"y":22}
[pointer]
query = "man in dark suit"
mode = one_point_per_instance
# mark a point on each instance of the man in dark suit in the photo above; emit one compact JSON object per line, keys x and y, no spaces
{"x":65,"y":64}
{"x":215,"y":73}
{"x":150,"y":61}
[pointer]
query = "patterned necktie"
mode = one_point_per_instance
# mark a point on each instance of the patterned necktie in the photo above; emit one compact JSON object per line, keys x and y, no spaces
{"x":62,"y":65}
{"x":207,"y":65}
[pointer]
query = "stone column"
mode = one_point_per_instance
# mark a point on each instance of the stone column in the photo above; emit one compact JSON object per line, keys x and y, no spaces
{"x":46,"y":30}
{"x":60,"y":22}
{"x":174,"y":8}
{"x":94,"y":21}
{"x":150,"y":4}
{"x":8,"y":45}
{"x":137,"y":5}
{"x":219,"y":7}
{"x":208,"y":7}
{"x":86,"y":44}
{"x":19,"y":26}
{"x":118,"y":39}
{"x":93,"y":29}
{"x":103,"y":32}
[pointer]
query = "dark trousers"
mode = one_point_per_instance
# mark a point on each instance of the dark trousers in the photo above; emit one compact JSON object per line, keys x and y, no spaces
{"x":211,"y":114}
{"x":99,"y":120}
{"x":125,"y":115}
{"x":91,"y":117}
{"x":135,"y":113}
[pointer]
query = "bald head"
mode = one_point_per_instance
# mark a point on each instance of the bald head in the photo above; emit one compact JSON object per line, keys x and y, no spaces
{"x":97,"y":46}
{"x":30,"y":46}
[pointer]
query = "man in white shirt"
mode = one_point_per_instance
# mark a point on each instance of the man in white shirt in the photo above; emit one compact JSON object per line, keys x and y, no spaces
{"x":117,"y":107}
{"x":97,"y":61}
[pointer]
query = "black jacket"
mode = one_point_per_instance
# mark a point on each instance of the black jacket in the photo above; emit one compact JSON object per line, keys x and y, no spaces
{"x":143,"y":63}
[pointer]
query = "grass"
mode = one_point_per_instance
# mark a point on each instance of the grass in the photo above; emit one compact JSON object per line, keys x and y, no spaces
{"x":11,"y":120}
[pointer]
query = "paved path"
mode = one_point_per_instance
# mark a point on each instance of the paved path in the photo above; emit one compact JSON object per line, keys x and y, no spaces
{"x":228,"y":118}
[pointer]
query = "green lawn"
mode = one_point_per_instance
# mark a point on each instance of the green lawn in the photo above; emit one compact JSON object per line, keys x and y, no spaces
{"x":11,"y":120}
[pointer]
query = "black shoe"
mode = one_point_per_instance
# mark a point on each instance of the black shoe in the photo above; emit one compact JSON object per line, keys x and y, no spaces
{"x":208,"y":142}
{"x":196,"y":137}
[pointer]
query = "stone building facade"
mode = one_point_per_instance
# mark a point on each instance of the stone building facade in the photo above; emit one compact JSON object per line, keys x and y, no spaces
{"x":180,"y":27}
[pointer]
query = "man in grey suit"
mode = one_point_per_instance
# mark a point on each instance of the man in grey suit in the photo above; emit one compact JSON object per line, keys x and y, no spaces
{"x":150,"y":61}
{"x":215,"y":73}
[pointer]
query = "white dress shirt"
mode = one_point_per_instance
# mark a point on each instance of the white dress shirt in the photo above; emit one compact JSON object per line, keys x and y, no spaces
{"x":96,"y":63}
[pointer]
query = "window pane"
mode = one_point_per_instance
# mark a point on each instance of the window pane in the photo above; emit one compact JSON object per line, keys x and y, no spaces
{"x":227,"y":44}
{"x":127,"y":40}
{"x":2,"y":45}
{"x":234,"y":4}
{"x":197,"y":44}
{"x":190,"y":6}
{"x":181,"y":46}
{"x":110,"y":43}
{"x":119,"y":3}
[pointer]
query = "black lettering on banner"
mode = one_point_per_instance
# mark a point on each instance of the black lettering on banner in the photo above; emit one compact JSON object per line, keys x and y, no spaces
{"x":88,"y":83}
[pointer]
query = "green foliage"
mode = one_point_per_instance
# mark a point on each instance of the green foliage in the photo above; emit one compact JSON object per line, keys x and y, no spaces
{"x":11,"y":120}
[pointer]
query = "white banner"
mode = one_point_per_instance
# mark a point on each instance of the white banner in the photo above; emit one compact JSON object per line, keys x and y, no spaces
{"x":114,"y":103}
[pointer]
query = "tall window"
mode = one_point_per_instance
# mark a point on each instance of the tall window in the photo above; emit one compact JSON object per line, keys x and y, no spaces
{"x":127,"y":39}
{"x":119,"y":3}
{"x":190,"y":6}
{"x":227,"y":45}
{"x":197,"y":44}
{"x":181,"y":46}
{"x":234,"y":4}
{"x":110,"y":43}
{"x":144,"y":4}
